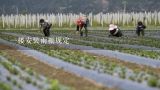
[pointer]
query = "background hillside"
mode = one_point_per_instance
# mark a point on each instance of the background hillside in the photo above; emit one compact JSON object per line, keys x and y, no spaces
{"x":76,"y":6}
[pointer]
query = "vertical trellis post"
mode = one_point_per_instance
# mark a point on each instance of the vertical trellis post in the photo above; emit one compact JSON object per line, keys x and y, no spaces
{"x":3,"y":25}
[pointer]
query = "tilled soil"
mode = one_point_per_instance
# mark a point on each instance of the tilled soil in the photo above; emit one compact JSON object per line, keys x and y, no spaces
{"x":74,"y":81}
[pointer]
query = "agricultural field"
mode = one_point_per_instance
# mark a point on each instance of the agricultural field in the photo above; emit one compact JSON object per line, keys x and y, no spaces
{"x":67,"y":61}
{"x":71,"y":62}
{"x":14,"y":76}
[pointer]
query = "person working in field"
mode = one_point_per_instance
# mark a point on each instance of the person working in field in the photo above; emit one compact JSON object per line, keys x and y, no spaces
{"x":114,"y":30}
{"x":45,"y":26}
{"x":140,"y":28}
{"x":82,"y":22}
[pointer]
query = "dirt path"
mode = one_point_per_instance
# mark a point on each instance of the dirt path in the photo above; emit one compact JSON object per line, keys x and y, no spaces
{"x":51,"y":71}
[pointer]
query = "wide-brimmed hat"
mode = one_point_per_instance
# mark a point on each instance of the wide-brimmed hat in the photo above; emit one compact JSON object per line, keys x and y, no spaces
{"x":112,"y":27}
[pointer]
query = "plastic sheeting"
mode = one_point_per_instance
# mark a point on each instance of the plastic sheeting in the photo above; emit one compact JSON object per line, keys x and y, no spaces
{"x":104,"y":79}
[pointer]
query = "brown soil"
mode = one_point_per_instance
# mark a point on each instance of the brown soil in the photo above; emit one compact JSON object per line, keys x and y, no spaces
{"x":133,"y":66}
{"x":69,"y":79}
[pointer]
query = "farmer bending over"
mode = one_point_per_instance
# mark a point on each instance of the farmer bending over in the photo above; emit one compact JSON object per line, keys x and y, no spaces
{"x":114,"y":30}
{"x":81,"y":23}
{"x":45,"y":26}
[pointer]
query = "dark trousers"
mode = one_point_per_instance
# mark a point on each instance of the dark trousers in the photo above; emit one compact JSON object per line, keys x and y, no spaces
{"x":119,"y":33}
{"x":140,"y":32}
{"x":79,"y":28}
{"x":46,"y":32}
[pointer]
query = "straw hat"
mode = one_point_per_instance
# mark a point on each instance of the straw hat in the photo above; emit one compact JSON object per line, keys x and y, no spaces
{"x":112,"y":27}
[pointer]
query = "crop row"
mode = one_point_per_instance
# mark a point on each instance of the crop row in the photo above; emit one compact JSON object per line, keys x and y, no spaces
{"x":97,"y":63}
{"x":110,"y":46}
{"x":14,"y":76}
{"x":146,"y":41}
